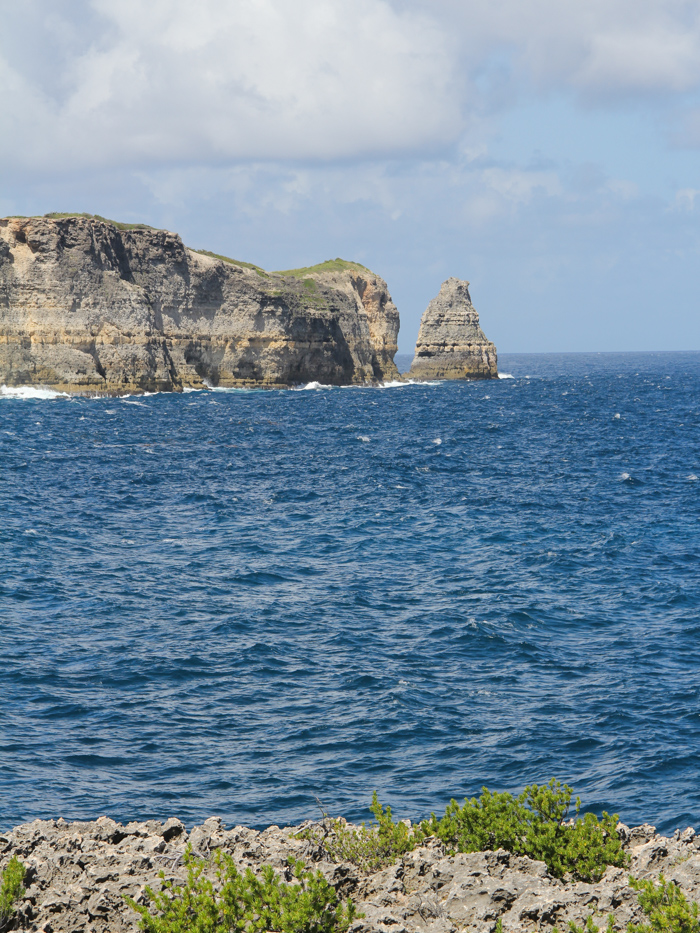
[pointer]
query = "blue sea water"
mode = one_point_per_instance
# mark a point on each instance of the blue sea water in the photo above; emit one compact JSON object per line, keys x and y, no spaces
{"x":232,"y":602}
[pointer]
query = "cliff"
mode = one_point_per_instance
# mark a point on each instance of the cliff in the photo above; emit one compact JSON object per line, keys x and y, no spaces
{"x":91,"y":306}
{"x":78,"y":874}
{"x":451,"y":344}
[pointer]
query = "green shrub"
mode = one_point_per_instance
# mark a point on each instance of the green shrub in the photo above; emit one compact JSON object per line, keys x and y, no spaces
{"x":368,"y":847}
{"x":589,"y":926}
{"x":534,"y":824}
{"x":666,"y":907}
{"x":11,"y":890}
{"x":244,"y":903}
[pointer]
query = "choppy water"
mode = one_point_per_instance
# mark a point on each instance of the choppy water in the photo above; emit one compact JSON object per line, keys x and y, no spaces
{"x":229,"y":602}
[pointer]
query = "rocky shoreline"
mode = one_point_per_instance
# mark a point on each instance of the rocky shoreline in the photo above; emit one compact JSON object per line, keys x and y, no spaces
{"x":79,"y":873}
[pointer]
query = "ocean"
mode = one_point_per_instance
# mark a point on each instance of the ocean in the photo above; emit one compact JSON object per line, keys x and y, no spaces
{"x":233,"y":603}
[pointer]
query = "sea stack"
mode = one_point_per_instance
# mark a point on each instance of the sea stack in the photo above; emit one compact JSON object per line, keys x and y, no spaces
{"x":451,"y":344}
{"x":92,"y":306}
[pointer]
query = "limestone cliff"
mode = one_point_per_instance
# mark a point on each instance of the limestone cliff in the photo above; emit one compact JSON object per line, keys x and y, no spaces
{"x":90,"y":306}
{"x":451,"y":344}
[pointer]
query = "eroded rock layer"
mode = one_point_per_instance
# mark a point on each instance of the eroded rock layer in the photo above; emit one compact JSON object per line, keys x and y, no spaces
{"x":86,"y":306}
{"x":451,"y":344}
{"x":78,"y":875}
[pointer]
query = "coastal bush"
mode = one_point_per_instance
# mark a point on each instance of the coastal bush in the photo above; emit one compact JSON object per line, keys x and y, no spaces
{"x":534,"y":824}
{"x":589,"y":926}
{"x":11,"y":890}
{"x":244,"y":903}
{"x":665,"y":905}
{"x":368,"y":847}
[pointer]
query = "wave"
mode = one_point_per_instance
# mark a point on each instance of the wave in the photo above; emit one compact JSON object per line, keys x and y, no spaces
{"x":311,"y":386}
{"x":30,"y":392}
{"x":403,"y":383}
{"x":505,"y":376}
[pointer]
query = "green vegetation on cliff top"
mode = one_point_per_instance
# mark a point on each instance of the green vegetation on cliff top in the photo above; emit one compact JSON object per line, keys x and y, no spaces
{"x":535,"y":824}
{"x":233,"y":262}
{"x":11,"y":890}
{"x":244,"y":903}
{"x":330,"y":265}
{"x":105,"y":220}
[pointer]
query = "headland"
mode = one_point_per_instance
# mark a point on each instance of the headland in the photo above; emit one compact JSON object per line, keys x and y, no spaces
{"x":92,"y":306}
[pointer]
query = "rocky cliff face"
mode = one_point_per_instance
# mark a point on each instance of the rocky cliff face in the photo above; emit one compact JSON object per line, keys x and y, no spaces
{"x":451,"y":344}
{"x":88,"y":307}
{"x":78,"y":874}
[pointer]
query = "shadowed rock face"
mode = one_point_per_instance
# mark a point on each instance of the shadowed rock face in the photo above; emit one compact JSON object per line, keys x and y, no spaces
{"x":451,"y":344}
{"x":88,"y":307}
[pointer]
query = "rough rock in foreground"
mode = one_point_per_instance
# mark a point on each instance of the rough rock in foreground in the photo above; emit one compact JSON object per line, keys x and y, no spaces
{"x":451,"y":344}
{"x":90,"y":306}
{"x":78,"y":874}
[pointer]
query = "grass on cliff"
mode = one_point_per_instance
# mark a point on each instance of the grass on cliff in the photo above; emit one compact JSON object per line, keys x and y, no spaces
{"x":11,"y":890}
{"x":535,"y":823}
{"x":105,"y":220}
{"x":330,"y":265}
{"x":244,"y":903}
{"x":234,"y":262}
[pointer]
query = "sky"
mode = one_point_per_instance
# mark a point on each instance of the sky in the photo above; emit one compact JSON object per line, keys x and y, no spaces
{"x":548,"y":151}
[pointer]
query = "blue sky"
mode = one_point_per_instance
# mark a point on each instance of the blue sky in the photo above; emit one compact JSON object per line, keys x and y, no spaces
{"x":546,"y":150}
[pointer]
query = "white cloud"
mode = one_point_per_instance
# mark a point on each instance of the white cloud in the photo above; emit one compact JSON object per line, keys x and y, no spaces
{"x":167,"y":82}
{"x":685,"y":199}
{"x":170,"y":80}
{"x":519,"y":186}
{"x":622,"y":188}
{"x":599,"y":46}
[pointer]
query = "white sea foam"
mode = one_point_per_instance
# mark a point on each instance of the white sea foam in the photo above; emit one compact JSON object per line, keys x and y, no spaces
{"x":393,"y":384}
{"x":437,"y":440}
{"x":312,"y":386}
{"x":505,"y":376}
{"x":692,"y":477}
{"x":363,"y":438}
{"x":30,"y":392}
{"x":234,"y":390}
{"x":616,"y":416}
{"x":625,"y":476}
{"x":401,"y":383}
